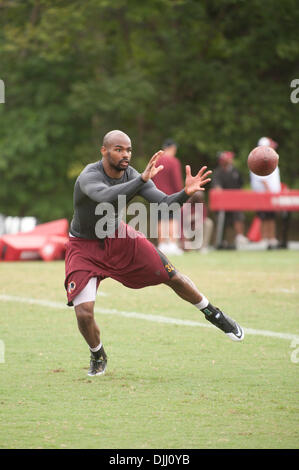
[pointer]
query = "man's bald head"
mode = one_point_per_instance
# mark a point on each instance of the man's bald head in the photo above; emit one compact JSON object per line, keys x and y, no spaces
{"x":116,"y":137}
{"x":116,"y":152}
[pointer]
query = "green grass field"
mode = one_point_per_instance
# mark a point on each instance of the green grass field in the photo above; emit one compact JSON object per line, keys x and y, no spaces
{"x":167,"y":385}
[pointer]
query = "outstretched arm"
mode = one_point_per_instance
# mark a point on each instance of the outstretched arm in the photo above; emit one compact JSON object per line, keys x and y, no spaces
{"x":99,"y":191}
{"x":192,"y":184}
{"x":151,"y":193}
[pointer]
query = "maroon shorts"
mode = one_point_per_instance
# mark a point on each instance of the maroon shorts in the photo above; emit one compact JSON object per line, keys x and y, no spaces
{"x":132,"y":260}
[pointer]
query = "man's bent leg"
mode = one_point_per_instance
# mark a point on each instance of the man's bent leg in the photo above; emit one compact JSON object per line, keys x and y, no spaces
{"x":91,"y":333}
{"x":87,"y":324}
{"x":84,"y":309}
{"x":187,"y":290}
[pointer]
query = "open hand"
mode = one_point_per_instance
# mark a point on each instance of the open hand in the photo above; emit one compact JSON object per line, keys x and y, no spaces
{"x":151,"y":170}
{"x":196,"y":183}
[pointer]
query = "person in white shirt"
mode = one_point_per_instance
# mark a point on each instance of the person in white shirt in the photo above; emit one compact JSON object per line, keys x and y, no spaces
{"x":272,"y":184}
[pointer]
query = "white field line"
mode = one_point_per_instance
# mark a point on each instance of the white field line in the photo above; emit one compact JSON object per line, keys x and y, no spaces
{"x":285,"y":291}
{"x":143,"y":316}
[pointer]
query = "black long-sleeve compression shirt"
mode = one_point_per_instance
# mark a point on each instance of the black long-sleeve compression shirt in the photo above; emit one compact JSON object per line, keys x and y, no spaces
{"x":94,"y":186}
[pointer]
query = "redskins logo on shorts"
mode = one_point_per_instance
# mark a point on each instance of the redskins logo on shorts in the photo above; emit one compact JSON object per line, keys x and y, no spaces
{"x":71,"y":286}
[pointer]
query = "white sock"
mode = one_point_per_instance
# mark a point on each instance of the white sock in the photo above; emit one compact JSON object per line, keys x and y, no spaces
{"x":203,"y":303}
{"x":96,"y":349}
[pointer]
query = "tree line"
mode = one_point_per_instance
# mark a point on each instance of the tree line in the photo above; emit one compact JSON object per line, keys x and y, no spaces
{"x":211,"y":74}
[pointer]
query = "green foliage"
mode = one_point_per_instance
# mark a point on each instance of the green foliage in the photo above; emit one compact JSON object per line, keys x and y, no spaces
{"x":211,"y":74}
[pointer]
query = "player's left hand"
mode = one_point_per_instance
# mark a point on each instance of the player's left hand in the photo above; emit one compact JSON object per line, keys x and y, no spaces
{"x":196,"y":183}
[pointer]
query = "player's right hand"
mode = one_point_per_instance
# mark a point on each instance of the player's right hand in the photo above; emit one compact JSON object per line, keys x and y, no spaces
{"x":151,"y":170}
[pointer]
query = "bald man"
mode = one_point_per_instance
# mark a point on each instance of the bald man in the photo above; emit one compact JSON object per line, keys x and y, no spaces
{"x":124,"y":254}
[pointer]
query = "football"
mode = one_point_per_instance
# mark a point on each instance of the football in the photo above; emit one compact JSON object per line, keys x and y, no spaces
{"x":262,"y":160}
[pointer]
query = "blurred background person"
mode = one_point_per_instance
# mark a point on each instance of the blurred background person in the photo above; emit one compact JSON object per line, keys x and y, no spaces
{"x":227,"y":176}
{"x":272,"y":184}
{"x":169,"y":180}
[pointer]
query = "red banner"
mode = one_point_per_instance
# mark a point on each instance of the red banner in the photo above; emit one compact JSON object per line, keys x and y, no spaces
{"x":242,"y":200}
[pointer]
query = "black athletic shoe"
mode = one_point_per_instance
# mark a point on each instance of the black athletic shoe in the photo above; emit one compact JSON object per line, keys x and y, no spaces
{"x":224,"y":323}
{"x":98,"y":363}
